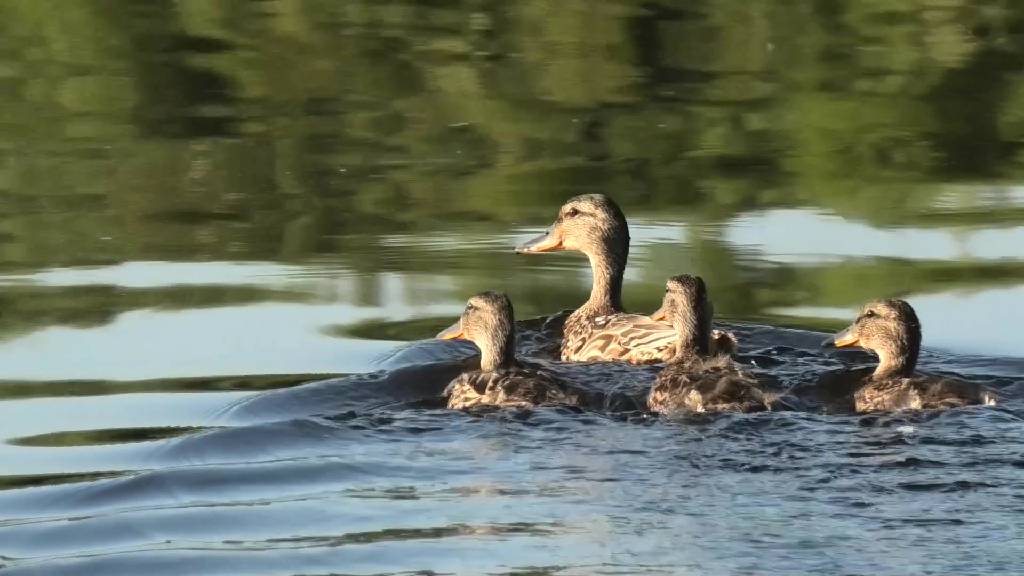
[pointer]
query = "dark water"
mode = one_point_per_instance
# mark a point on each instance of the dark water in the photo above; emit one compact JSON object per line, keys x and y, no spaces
{"x":205,"y":205}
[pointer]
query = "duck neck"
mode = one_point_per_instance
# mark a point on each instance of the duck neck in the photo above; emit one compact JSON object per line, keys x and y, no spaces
{"x":606,"y":292}
{"x":895,"y":362}
{"x":693,"y":327}
{"x":689,"y":347}
{"x":497,"y":353}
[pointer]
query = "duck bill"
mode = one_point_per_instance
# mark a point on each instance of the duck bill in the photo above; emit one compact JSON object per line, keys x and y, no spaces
{"x":660,"y":315}
{"x":550,"y":241}
{"x":846,"y":338}
{"x":452,"y":332}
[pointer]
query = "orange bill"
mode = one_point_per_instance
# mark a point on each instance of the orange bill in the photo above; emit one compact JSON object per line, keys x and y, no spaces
{"x":661,"y":314}
{"x":846,"y":338}
{"x":547,"y":242}
{"x":452,"y":332}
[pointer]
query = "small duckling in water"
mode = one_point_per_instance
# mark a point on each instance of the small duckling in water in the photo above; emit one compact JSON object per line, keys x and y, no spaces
{"x":694,"y":381}
{"x":501,"y":381}
{"x":891,"y":330}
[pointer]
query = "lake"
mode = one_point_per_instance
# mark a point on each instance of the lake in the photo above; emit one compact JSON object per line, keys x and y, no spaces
{"x":206,"y":206}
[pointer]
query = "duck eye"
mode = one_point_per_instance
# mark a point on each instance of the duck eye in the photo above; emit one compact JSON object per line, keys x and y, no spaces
{"x":869,"y":314}
{"x":572,"y":213}
{"x":470,"y":307}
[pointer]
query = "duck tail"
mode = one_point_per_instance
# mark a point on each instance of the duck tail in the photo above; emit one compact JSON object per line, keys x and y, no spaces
{"x":988,"y":398}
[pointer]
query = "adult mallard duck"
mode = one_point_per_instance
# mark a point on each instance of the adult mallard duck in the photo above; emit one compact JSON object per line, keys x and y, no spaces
{"x":891,"y":330}
{"x":488,"y":322}
{"x":695,"y":380}
{"x":600,"y":329}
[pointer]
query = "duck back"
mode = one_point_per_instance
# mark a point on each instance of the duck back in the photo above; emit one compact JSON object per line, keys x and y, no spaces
{"x":632,"y":338}
{"x":515,"y":388}
{"x":712,"y":385}
{"x":919,"y":393}
{"x":625,"y":337}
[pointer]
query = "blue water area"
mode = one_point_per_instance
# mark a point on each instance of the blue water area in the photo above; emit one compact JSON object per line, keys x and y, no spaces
{"x":370,"y":474}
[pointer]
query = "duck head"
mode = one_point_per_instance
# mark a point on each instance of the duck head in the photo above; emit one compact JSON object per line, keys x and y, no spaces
{"x":487,"y":321}
{"x":890,"y":329}
{"x":687,"y":308}
{"x":589,"y":223}
{"x":592,"y":224}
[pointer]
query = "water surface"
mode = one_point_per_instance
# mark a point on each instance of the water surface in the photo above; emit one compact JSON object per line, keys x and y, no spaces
{"x":204,"y":206}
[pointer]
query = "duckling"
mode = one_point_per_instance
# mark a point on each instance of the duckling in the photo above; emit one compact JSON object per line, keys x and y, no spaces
{"x":600,"y":329}
{"x":488,"y":321}
{"x":696,"y":380}
{"x":891,"y":330}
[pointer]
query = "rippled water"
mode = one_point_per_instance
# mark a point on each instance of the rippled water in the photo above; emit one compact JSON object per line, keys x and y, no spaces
{"x":368,"y":474}
{"x":225,"y":229}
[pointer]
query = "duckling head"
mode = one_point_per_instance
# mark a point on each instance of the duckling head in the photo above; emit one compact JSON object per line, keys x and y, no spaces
{"x":686,"y":307}
{"x":489,"y":322}
{"x":890,"y":329}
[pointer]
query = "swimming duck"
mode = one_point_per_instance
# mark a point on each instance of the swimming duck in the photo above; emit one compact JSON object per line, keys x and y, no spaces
{"x":695,"y":379}
{"x":891,"y":330}
{"x":488,"y":322}
{"x":600,"y":329}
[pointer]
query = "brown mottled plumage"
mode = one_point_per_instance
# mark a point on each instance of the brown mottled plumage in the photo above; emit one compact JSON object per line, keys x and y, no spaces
{"x":517,"y":388}
{"x":489,"y":323}
{"x":694,"y":381}
{"x":600,"y":329}
{"x":891,"y":330}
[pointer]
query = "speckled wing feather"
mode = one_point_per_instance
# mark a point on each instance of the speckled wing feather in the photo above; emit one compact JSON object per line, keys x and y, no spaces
{"x":671,"y":392}
{"x":626,"y":337}
{"x":712,"y":385}
{"x":631,"y":338}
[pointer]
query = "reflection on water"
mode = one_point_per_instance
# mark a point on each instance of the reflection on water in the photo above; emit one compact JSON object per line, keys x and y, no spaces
{"x":106,"y":436}
{"x":191,"y":192}
{"x":830,"y":238}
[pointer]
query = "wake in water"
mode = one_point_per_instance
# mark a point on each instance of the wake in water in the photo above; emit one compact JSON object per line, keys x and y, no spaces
{"x":782,"y":360}
{"x":370,"y":473}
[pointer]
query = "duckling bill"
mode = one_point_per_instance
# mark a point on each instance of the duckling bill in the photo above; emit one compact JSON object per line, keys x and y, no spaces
{"x":891,"y":330}
{"x":488,"y":321}
{"x":695,"y":380}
